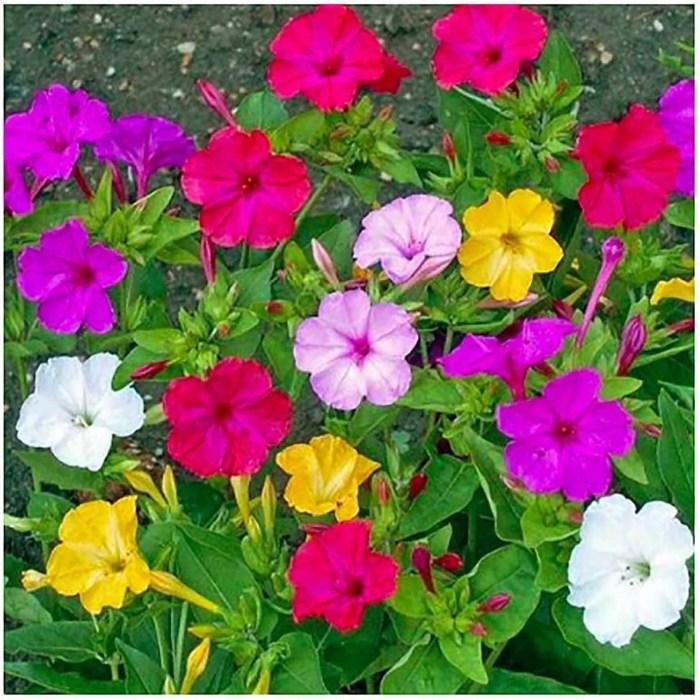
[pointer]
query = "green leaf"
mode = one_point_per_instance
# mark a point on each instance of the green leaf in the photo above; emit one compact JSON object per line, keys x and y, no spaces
{"x":401,"y":168}
{"x":260,"y":110}
{"x":167,"y":231}
{"x":431,"y":392}
{"x":100,"y":206}
{"x":338,"y":241}
{"x":65,"y":682}
{"x":648,"y":654}
{"x":567,"y":181}
{"x":503,"y":682}
{"x":616,"y":387}
{"x":465,"y":656}
{"x":24,"y":607}
{"x":410,"y":597}
{"x":277,"y":346}
{"x":48,"y":470}
{"x":69,"y":641}
{"x":300,"y":672}
{"x":511,"y":570}
{"x":299,"y":133}
{"x":632,"y":466}
{"x":366,"y":188}
{"x":558,"y":59}
{"x":368,"y":419}
{"x":675,"y":457}
{"x":158,"y":340}
{"x":27,"y":229}
{"x":541,"y":522}
{"x":150,"y":208}
{"x":143,"y":675}
{"x":682,"y":214}
{"x":255,"y":283}
{"x":552,"y":565}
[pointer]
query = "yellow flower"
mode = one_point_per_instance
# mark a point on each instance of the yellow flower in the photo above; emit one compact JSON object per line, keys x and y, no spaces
{"x":326,"y":475}
{"x":675,"y":288}
{"x":196,"y":665}
{"x":167,"y":584}
{"x":142,"y":482}
{"x":98,"y":558}
{"x":509,"y":242}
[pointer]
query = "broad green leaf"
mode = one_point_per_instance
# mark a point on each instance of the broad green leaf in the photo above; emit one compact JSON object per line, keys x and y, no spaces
{"x":13,"y":568}
{"x":255,"y":283}
{"x":567,"y":181}
{"x":558,"y":59}
{"x":100,"y":206}
{"x":135,"y":359}
{"x":69,"y":641}
{"x":685,"y":394}
{"x":168,"y":231}
{"x":48,"y":470}
{"x":277,"y":346}
{"x":299,"y":673}
{"x":159,"y":340}
{"x":338,"y":241}
{"x":199,"y":500}
{"x":431,"y":392}
{"x":366,"y":188}
{"x":260,"y":110}
{"x":632,"y":466}
{"x":648,"y":654}
{"x":617,"y":387}
{"x":504,"y":682}
{"x":24,"y":607}
{"x":451,"y":485}
{"x":682,"y":214}
{"x":143,"y":675}
{"x":410,"y":598}
{"x":368,"y":419}
{"x":150,"y":208}
{"x":552,"y":564}
{"x":465,"y":656}
{"x":299,"y":133}
{"x":64,"y":682}
{"x":545,"y":520}
{"x":401,"y":168}
{"x":27,"y":229}
{"x":511,"y":570}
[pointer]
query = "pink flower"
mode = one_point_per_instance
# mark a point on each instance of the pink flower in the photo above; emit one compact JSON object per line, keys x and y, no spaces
{"x":563,"y":439}
{"x":485,"y":45}
{"x":535,"y":341}
{"x":390,"y":80}
{"x":326,"y":55}
{"x":68,"y":277}
{"x":355,"y":350}
{"x":226,"y":423}
{"x":677,"y":114}
{"x":412,"y":237}
{"x":18,"y":200}
{"x":215,"y":100}
{"x":336,"y":575}
{"x":47,"y":138}
{"x":632,"y":341}
{"x":632,"y":169}
{"x":246,"y":192}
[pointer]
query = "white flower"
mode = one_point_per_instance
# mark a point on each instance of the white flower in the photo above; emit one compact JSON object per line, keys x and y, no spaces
{"x":629,"y":569}
{"x":74,"y":411}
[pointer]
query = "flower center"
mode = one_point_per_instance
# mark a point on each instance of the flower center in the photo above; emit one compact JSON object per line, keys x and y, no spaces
{"x":511,"y":242}
{"x":490,"y":55}
{"x":83,"y":274}
{"x":222,"y":412}
{"x":83,"y":421}
{"x":250,"y":183}
{"x":635,"y":573}
{"x":330,"y":66}
{"x":360,"y":349}
{"x":354,"y":587}
{"x":565,"y":431}
{"x":612,"y":168}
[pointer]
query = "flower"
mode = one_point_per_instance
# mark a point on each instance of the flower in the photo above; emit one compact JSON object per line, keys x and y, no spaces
{"x":146,"y":144}
{"x":196,"y":665}
{"x":632,"y":340}
{"x":167,"y":584}
{"x":354,"y":349}
{"x":246,"y":192}
{"x":326,"y":475}
{"x":675,"y":288}
{"x":227,"y":422}
{"x":629,"y":569}
{"x":390,"y":80}
{"x":215,"y":100}
{"x":509,"y":241}
{"x":18,"y":199}
{"x":535,"y":341}
{"x":335,"y":575}
{"x":449,"y":561}
{"x":485,"y":45}
{"x":74,"y":411}
{"x":68,"y":277}
{"x":631,"y":167}
{"x":98,"y":557}
{"x":411,"y":237}
{"x":48,"y":137}
{"x":326,"y":55}
{"x":324,"y":262}
{"x":421,"y":561}
{"x":677,"y":114}
{"x":563,"y":439}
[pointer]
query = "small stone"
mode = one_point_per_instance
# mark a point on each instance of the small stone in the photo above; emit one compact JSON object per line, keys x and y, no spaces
{"x":217,"y":29}
{"x":124,"y":85}
{"x":606,"y":57}
{"x":178,"y":94}
{"x":658,"y":25}
{"x":110,"y":71}
{"x":186,"y":47}
{"x":26,"y":46}
{"x":94,"y":44}
{"x":415,"y":46}
{"x":75,"y":84}
{"x":97,"y":18}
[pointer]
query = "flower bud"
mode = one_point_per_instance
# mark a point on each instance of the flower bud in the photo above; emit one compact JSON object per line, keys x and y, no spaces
{"x":385,"y":113}
{"x":207,"y":256}
{"x":382,"y":489}
{"x":262,"y":687}
{"x":653,"y":431}
{"x":420,"y":559}
{"x":149,"y":370}
{"x":497,"y":138}
{"x":563,"y":309}
{"x":478,"y":629}
{"x":241,"y":492}
{"x":418,"y":483}
{"x":268,"y":500}
{"x":142,"y":482}
{"x":254,"y":531}
{"x":169,"y":488}
{"x":685,"y":326}
{"x":545,"y":369}
{"x":450,"y":561}
{"x":214,"y":99}
{"x":167,"y":584}
{"x":196,"y":665}
{"x":496,"y":603}
{"x":33,"y":580}
{"x":448,"y":147}
{"x":169,"y":686}
{"x":324,"y":262}
{"x":551,"y":164}
{"x":634,"y":335}
{"x":576,"y":517}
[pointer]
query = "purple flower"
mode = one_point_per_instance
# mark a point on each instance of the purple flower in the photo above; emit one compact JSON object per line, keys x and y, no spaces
{"x":47,"y":138}
{"x":18,"y":199}
{"x":536,"y":341}
{"x":68,"y":277}
{"x":563,"y":439}
{"x":677,"y":112}
{"x":146,"y":144}
{"x":414,"y":238}
{"x":355,"y":350}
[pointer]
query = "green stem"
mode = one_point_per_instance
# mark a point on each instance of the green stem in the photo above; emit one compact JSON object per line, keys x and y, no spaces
{"x":311,"y":201}
{"x":424,"y":350}
{"x":244,"y":257}
{"x":180,"y":644}
{"x":22,"y":377}
{"x":162,"y":653}
{"x":114,"y":667}
{"x":471,"y":533}
{"x":449,"y":337}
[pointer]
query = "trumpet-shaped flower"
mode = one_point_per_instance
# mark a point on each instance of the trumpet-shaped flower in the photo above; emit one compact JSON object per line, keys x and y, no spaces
{"x":68,"y":277}
{"x":632,"y":168}
{"x":563,"y":439}
{"x":486,"y":45}
{"x":98,"y":556}
{"x":629,"y":569}
{"x":391,"y":78}
{"x":535,"y":341}
{"x":677,"y":113}
{"x":354,"y":349}
{"x":509,"y":241}
{"x":412,"y":237}
{"x":336,"y":575}
{"x":74,"y":411}
{"x":675,"y":288}
{"x":247,"y":193}
{"x":227,"y":422}
{"x":18,"y":199}
{"x":326,"y":474}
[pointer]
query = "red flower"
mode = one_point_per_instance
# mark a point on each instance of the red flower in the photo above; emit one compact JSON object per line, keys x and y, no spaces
{"x":631,"y":168}
{"x":485,"y":45}
{"x":326,"y":55}
{"x":247,"y":193}
{"x":390,"y":79}
{"x":226,"y":423}
{"x":335,"y":575}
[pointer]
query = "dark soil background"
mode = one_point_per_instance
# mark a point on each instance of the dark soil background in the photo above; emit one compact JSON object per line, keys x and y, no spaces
{"x":146,"y":59}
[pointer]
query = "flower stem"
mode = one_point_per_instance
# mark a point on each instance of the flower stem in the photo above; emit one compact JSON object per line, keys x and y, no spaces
{"x":244,"y":257}
{"x":424,"y":350}
{"x":82,"y":182}
{"x":162,"y":653}
{"x":22,"y":377}
{"x":449,"y":336}
{"x":180,"y":644}
{"x":311,"y":201}
{"x":114,"y":667}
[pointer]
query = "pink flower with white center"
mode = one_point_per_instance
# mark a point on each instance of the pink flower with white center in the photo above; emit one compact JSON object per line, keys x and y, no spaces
{"x":354,"y":349}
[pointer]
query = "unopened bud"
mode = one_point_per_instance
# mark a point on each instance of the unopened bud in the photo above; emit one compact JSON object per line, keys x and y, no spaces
{"x":551,"y":164}
{"x":498,"y":138}
{"x":214,"y":99}
{"x":169,"y":488}
{"x":420,"y":560}
{"x":262,"y":687}
{"x":653,"y":431}
{"x":385,"y":113}
{"x":207,"y":256}
{"x":268,"y":500}
{"x":33,"y":580}
{"x":563,"y":309}
{"x":576,"y":517}
{"x":685,"y":326}
{"x":478,"y":629}
{"x":254,"y":531}
{"x":382,"y":490}
{"x":511,"y":484}
{"x":634,"y":336}
{"x":241,"y":491}
{"x":417,"y":484}
{"x":143,"y":482}
{"x":450,"y":561}
{"x":273,"y":308}
{"x":196,"y":665}
{"x":169,"y":686}
{"x":324,"y":262}
{"x":496,"y":603}
{"x":448,"y":147}
{"x":149,"y":370}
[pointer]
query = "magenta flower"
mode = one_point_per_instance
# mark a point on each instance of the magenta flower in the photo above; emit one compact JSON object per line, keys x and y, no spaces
{"x":563,"y":439}
{"x":535,"y":341}
{"x":18,"y":199}
{"x":146,"y":144}
{"x":47,"y":138}
{"x":68,"y":277}
{"x":677,"y":112}
{"x":354,"y":350}
{"x":632,"y":341}
{"x":414,"y":238}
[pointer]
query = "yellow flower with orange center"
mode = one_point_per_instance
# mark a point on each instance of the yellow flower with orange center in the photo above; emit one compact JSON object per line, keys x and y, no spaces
{"x":675,"y":288}
{"x":509,"y":242}
{"x":326,"y":474}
